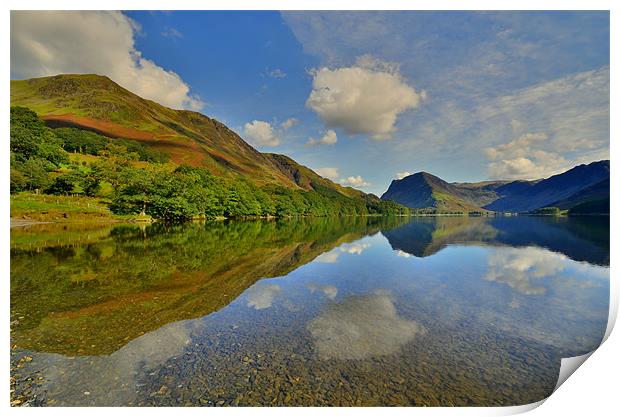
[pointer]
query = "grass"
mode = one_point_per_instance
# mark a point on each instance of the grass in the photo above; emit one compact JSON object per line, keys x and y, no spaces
{"x":188,"y":137}
{"x":448,"y":202}
{"x":51,"y":208}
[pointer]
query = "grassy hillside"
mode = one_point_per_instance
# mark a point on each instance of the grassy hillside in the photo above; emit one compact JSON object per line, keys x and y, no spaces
{"x":479,"y":193}
{"x":428,"y":192}
{"x":70,"y":154}
{"x":96,"y":103}
{"x":307,"y":179}
{"x":60,"y":208}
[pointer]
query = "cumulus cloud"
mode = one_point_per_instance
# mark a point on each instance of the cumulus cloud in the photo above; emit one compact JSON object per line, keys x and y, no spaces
{"x":571,"y":115}
{"x":573,"y":112}
{"x":47,"y":43}
{"x":522,"y":269}
{"x":288,"y":123}
{"x":401,"y":175}
{"x":260,"y":133}
{"x":328,"y":257}
{"x":354,"y":181}
{"x":329,"y":138}
{"x":522,"y":158}
{"x":362,"y":327}
{"x":328,"y":172}
{"x":261,"y":296}
{"x":354,"y":248}
{"x":365,"y":98}
{"x":333,"y":174}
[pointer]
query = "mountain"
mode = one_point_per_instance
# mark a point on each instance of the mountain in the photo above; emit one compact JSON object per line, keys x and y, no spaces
{"x":583,"y":189}
{"x":530,"y":195}
{"x":96,"y":103}
{"x":593,"y":199}
{"x":307,"y":179}
{"x":425,"y":191}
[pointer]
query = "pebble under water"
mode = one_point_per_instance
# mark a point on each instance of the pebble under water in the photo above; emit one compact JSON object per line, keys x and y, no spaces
{"x":325,"y":312}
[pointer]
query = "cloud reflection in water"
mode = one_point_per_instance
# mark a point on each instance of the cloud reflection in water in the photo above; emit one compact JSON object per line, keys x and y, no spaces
{"x":261,"y":296}
{"x":522,"y":269}
{"x":361,"y":327}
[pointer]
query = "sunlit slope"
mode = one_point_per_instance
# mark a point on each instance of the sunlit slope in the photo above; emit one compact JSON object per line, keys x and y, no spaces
{"x":425,"y":191}
{"x":96,"y":103}
{"x":308,"y":179}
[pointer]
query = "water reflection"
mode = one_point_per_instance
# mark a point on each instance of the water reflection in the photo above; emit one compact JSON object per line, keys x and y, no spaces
{"x":110,"y":379}
{"x":522,"y":269}
{"x":360,"y":327}
{"x":89,"y":293}
{"x":330,"y":291}
{"x":442,"y":311}
{"x":260,"y":296}
{"x":581,"y":239}
{"x":350,"y":248}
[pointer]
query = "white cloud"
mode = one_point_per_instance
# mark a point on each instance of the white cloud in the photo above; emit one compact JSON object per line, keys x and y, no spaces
{"x":523,"y":158}
{"x":573,"y":112}
{"x":364,"y":98}
{"x":329,"y":138}
{"x":522,"y":269}
{"x":328,"y":257}
{"x":261,"y":296}
{"x":329,"y":291}
{"x":47,"y":43}
{"x":355,"y":181}
{"x":328,"y":172}
{"x":354,"y":248}
{"x":332,"y":256}
{"x":516,"y":125}
{"x":173,"y":33}
{"x":276,"y":73}
{"x":519,"y":147}
{"x":288,"y":123}
{"x":401,"y":175}
{"x":260,"y":133}
{"x":362,"y":327}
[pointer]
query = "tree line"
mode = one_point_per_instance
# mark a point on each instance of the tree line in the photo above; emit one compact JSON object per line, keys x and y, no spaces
{"x":137,"y":180}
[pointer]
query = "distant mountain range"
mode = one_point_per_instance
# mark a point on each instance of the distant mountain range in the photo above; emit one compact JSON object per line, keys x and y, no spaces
{"x":583,"y":189}
{"x":96,"y":103}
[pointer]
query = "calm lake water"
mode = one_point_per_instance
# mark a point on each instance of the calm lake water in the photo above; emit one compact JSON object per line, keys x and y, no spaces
{"x":348,"y":311}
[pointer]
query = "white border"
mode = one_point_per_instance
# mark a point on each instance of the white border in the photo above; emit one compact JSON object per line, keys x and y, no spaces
{"x":593,"y":391}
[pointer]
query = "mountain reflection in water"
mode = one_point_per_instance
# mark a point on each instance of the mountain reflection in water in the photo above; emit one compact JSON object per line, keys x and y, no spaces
{"x":430,"y":311}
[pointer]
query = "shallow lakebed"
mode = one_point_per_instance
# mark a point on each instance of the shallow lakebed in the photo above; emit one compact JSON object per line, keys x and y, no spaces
{"x":338,"y":311}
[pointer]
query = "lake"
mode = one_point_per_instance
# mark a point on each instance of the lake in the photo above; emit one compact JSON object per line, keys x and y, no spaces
{"x":341,"y":311}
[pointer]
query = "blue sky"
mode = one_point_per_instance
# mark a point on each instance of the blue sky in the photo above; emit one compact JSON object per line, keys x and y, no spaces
{"x":362,"y":97}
